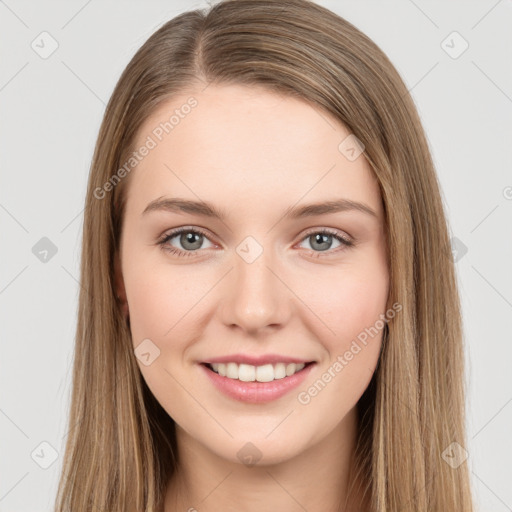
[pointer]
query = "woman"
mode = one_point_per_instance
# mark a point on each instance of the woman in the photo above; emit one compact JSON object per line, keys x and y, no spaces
{"x":269,"y":318}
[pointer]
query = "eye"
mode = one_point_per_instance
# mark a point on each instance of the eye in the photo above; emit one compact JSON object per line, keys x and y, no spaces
{"x":322,"y":240}
{"x":191,"y":240}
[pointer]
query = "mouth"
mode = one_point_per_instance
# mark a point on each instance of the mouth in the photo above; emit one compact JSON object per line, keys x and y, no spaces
{"x":256,"y":384}
{"x":252,"y":373}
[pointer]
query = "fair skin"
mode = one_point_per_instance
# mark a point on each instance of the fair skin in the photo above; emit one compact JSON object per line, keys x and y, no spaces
{"x":254,"y":154}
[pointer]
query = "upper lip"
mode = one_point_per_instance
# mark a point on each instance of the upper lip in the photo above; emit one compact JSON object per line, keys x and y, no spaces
{"x":256,"y":360}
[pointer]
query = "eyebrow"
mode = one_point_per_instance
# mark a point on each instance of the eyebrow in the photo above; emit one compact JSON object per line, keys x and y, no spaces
{"x":206,"y":209}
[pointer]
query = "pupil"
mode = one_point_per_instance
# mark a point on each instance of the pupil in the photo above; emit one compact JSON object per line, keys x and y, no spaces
{"x":191,"y":238}
{"x":322,"y":240}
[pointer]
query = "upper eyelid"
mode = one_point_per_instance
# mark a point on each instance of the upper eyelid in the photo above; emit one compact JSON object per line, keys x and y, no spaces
{"x":184,"y":229}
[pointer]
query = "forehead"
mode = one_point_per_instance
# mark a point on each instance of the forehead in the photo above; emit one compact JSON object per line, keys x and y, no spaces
{"x":239,"y":144}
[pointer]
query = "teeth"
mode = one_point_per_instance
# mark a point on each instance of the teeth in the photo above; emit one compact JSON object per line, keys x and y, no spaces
{"x":265,"y":373}
{"x":250,"y":373}
{"x":232,"y":370}
{"x":246,"y":372}
{"x":290,"y":369}
{"x":279,"y":371}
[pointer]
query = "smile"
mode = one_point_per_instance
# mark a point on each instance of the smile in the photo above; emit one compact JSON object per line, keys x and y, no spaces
{"x":256,"y":384}
{"x":250,"y":373}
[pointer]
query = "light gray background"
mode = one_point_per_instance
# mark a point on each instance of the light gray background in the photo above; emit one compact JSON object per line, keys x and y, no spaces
{"x":50,"y":115}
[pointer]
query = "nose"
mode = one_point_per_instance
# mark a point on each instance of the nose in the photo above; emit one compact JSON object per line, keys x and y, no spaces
{"x":256,"y":297}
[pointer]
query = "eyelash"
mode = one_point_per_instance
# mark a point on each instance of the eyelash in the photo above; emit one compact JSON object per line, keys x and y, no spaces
{"x":346,"y":242}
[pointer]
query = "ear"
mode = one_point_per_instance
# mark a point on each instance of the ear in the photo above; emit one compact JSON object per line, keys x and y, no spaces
{"x":119,"y":284}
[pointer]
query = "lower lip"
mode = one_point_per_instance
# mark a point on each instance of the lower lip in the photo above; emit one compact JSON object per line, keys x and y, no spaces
{"x":257,"y":392}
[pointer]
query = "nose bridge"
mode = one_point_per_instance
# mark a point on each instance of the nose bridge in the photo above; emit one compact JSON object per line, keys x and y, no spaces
{"x":255,"y":297}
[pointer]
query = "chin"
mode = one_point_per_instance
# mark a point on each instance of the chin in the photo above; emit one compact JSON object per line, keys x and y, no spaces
{"x":250,"y":451}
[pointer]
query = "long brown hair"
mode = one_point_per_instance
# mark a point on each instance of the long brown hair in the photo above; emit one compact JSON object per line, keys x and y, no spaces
{"x":121,"y":446}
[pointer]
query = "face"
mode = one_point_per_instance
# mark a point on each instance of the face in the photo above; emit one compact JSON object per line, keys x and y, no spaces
{"x":267,"y":284}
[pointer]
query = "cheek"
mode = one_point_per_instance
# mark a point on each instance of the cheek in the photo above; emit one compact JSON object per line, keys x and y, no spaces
{"x":161,"y":301}
{"x":359,"y":302}
{"x":164,"y":308}
{"x":346,"y":301}
{"x":350,"y":301}
{"x":354,"y":311}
